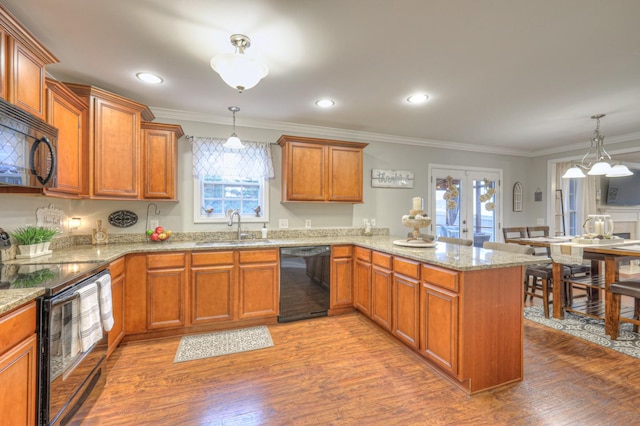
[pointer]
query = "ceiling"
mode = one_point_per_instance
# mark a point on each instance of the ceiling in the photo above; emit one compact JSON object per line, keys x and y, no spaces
{"x":508,"y":76}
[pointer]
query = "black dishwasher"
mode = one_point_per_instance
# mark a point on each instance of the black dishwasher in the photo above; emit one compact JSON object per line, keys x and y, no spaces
{"x":305,"y":278}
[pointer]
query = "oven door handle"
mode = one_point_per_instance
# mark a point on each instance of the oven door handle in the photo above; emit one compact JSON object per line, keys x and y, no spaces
{"x":57,"y":302}
{"x":52,"y":156}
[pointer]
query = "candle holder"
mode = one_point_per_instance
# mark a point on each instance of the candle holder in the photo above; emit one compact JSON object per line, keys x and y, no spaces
{"x":416,"y":220}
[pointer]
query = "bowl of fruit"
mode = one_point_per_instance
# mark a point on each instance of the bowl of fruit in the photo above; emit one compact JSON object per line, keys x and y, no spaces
{"x":158,"y":234}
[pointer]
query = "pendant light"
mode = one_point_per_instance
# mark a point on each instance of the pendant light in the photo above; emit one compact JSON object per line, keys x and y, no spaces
{"x":234,"y":141}
{"x":601,"y":163}
{"x":238,"y":70}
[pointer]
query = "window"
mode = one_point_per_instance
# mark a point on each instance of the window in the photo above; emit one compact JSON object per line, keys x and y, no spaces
{"x":228,"y":179}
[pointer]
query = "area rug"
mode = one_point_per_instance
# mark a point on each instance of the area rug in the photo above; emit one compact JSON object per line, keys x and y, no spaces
{"x":223,"y":343}
{"x":589,"y":329}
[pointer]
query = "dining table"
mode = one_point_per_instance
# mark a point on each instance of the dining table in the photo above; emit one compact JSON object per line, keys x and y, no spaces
{"x":608,"y":253}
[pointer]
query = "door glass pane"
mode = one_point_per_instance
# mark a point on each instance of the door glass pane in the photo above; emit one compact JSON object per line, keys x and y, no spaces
{"x":484,"y":211}
{"x":447,"y":202}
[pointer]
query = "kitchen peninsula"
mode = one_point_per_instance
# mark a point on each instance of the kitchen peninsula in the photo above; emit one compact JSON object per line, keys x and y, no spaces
{"x":458,"y":307}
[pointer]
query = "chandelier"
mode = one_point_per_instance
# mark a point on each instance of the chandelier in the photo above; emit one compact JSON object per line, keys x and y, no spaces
{"x":238,"y":70}
{"x":597,"y":160}
{"x":234,"y":141}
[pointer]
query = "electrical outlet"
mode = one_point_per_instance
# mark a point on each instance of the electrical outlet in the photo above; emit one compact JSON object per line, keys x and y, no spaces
{"x":283,"y":223}
{"x":365,"y":221}
{"x":540,"y":221}
{"x":307,"y":223}
{"x":153,"y":224}
{"x":373,"y":222}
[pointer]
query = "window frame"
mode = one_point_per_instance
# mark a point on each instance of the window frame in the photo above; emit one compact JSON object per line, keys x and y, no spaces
{"x":201,"y":217}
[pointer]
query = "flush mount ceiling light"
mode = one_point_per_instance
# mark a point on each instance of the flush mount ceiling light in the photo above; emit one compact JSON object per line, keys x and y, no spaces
{"x":148,"y":77}
{"x":238,"y":70}
{"x":234,"y":142}
{"x":600,"y":162}
{"x":325,"y":103}
{"x":418,"y":98}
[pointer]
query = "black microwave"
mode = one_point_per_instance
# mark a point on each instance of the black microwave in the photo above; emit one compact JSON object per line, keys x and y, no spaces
{"x":28,"y":149}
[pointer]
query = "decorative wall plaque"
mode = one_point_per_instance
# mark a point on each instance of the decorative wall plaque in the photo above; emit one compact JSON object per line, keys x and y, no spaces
{"x":123,"y":218}
{"x":391,"y":178}
{"x":49,"y":217}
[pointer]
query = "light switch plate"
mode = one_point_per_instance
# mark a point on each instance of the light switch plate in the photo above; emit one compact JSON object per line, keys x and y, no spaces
{"x":373,"y":222}
{"x":540,"y":221}
{"x":307,"y":223}
{"x":283,"y":223}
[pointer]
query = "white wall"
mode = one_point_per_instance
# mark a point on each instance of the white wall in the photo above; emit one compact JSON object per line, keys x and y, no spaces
{"x":384,"y":204}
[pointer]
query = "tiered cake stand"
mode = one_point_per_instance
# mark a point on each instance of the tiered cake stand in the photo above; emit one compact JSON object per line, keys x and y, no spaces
{"x":415,"y":220}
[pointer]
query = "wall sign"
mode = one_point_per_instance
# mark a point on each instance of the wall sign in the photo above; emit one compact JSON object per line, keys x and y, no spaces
{"x":381,"y":178}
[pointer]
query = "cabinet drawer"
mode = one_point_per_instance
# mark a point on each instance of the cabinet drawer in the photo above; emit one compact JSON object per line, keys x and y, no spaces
{"x":168,"y":260}
{"x":116,"y":267}
{"x":17,"y":326}
{"x":441,"y":277}
{"x":363,"y":254}
{"x":210,"y":258}
{"x":381,"y":259}
{"x":256,"y":256}
{"x":342,"y":251}
{"x":406,"y":267}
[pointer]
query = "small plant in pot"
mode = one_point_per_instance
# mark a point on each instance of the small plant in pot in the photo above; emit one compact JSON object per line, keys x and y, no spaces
{"x":33,"y":240}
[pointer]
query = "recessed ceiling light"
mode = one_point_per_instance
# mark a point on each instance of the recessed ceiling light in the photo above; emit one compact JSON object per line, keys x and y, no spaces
{"x":149,"y":78}
{"x":325,"y":103}
{"x":418,"y":98}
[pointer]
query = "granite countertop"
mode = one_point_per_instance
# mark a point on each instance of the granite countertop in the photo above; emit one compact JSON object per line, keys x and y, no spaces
{"x":450,"y":256}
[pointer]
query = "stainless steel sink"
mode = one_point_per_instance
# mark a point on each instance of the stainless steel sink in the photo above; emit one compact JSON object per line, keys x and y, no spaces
{"x":232,"y":243}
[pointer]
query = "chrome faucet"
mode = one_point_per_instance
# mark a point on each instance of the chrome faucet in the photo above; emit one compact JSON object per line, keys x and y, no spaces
{"x":231,"y":216}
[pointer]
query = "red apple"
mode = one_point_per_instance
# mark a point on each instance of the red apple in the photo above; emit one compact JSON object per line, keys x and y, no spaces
{"x":154,"y":236}
{"x":159,"y":230}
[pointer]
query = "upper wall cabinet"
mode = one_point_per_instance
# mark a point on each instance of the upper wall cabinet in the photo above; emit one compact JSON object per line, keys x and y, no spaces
{"x":69,"y":114}
{"x":22,"y":66}
{"x":159,"y":160}
{"x":115,"y":143}
{"x":321,"y":170}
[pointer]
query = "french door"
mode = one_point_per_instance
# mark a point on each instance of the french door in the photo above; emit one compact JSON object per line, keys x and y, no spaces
{"x":465,"y":203}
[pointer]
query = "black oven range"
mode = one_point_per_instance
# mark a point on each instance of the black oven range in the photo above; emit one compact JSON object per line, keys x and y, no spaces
{"x":71,"y":332}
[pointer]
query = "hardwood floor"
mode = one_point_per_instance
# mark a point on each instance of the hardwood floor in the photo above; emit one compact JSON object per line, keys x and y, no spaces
{"x":344,"y":370}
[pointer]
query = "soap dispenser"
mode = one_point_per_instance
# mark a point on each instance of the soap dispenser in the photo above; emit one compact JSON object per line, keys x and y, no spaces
{"x":264,"y":230}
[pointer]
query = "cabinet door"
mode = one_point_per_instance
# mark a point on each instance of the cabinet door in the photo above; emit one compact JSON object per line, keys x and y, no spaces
{"x":345,"y":174}
{"x":26,"y":74}
{"x":381,"y":295}
{"x":213,"y":289}
{"x":3,"y":65}
{"x":258,"y":288}
{"x":116,"y":150}
{"x":341,"y":277}
{"x":18,"y":375}
{"x":159,"y":170}
{"x":68,"y":114}
{"x":305,"y":168}
{"x":117,"y":297}
{"x":406,"y":305}
{"x":439,"y":326}
{"x":166,"y":303}
{"x":362,"y":286}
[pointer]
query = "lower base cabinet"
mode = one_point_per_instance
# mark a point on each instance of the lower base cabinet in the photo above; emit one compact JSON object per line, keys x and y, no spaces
{"x":166,"y":290}
{"x":406,"y":301}
{"x":213,"y":287}
{"x":116,"y":333}
{"x":439,"y":326}
{"x":18,"y":366}
{"x":381,"y":289}
{"x":258,"y":284}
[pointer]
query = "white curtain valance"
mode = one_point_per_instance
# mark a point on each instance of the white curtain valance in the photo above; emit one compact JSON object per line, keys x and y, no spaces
{"x":211,"y":158}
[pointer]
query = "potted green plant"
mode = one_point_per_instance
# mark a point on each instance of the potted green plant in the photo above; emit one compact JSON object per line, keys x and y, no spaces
{"x":33,"y":240}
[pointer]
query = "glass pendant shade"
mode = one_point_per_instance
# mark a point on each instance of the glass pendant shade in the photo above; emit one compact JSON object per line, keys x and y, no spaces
{"x":600,"y":168}
{"x":233,"y":142}
{"x":573,"y":172}
{"x":238,"y":70}
{"x":619,"y":170}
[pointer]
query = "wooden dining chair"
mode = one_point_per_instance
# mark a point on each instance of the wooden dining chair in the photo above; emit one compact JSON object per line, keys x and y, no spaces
{"x":514,"y":232}
{"x":458,"y":241}
{"x":618,"y":289}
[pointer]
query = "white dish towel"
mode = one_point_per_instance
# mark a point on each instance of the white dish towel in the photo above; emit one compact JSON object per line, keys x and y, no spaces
{"x":90,"y":329}
{"x":106,"y":307}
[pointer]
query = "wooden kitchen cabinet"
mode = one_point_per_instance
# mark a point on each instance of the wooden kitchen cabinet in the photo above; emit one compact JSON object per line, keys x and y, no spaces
{"x":258,"y":283}
{"x":159,"y":160}
{"x":114,"y":141}
{"x":18,"y":366}
{"x":166,"y":290}
{"x":213,"y":287}
{"x":341,"y":292}
{"x":362,"y":281}
{"x":69,"y":114}
{"x":321,"y":170}
{"x":22,"y":66}
{"x":115,"y":335}
{"x":381,"y":289}
{"x":406,"y":301}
